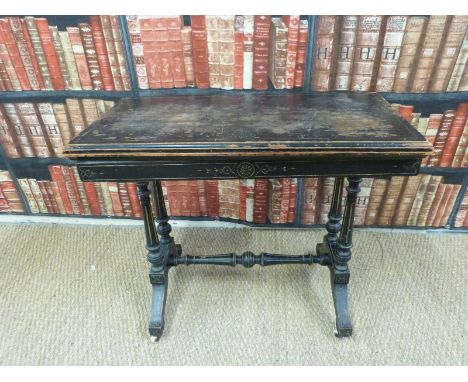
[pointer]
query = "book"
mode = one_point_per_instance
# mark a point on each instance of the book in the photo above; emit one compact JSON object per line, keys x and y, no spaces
{"x":124,"y":199}
{"x":292,"y":201}
{"x":138,"y":52}
{"x":406,"y":200}
{"x":345,"y":54}
{"x":90,"y":52}
{"x":115,"y":199}
{"x":49,"y":203}
{"x":25,"y":186}
{"x":260,"y":201}
{"x":61,"y":58}
{"x":309,"y":200}
{"x":92,"y":198}
{"x":200,"y":51}
{"x":428,"y":198}
{"x":460,"y":152}
{"x":212,"y":197}
{"x":379,"y":188}
{"x":418,"y":200}
{"x":188,"y":56}
{"x":462,"y":211}
{"x":225,"y":31}
{"x":32,"y":55}
{"x":75,"y":113}
{"x":119,"y":52}
{"x":274,"y":200}
{"x":292,"y":25}
{"x":437,"y":204}
{"x":301,"y":53}
{"x":431,"y":133}
{"x":238,"y":52}
{"x":362,"y":201}
{"x":101,"y":52}
{"x":70,"y":60}
{"x":33,"y":129}
{"x":390,"y":198}
{"x":8,"y":74}
{"x":454,"y":135}
{"x":80,"y":58}
{"x":450,"y":204}
{"x":260,"y":52}
{"x":460,"y":63}
{"x":51,"y":128}
{"x":278,"y":53}
{"x":36,"y":193}
{"x":10,"y":192}
{"x":248,"y":52}
{"x":441,"y":137}
{"x":16,"y":127}
{"x":7,"y":137}
{"x":61,"y":118}
{"x":134,"y":201}
{"x":111,"y":50}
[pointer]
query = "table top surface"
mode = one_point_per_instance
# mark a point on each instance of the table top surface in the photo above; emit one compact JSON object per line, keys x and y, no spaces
{"x":249,"y":124}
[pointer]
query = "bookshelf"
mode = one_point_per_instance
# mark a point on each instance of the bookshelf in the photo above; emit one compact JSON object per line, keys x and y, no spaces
{"x":424,"y":103}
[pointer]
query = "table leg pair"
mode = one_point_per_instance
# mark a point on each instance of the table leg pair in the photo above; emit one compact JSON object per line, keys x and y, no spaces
{"x":334,"y":252}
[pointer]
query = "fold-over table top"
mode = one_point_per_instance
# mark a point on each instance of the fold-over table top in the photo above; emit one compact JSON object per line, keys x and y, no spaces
{"x":250,"y":124}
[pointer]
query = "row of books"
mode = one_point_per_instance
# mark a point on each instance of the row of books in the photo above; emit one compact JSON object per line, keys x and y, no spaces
{"x":227,"y":52}
{"x":36,"y":56}
{"x":9,"y":198}
{"x":447,"y":132}
{"x":461,"y":219}
{"x":43,"y":129}
{"x":414,"y":54}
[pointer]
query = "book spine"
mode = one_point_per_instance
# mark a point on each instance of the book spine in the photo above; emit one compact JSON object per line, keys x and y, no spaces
{"x":110,"y":46}
{"x":260,"y":201}
{"x":447,"y":199}
{"x":395,"y":30}
{"x":194,"y":198}
{"x":292,"y":201}
{"x":7,"y":139}
{"x":309,"y":200}
{"x":78,"y":187}
{"x":323,"y":199}
{"x":406,"y":112}
{"x":54,"y":192}
{"x":176,"y":45}
{"x":454,"y":135}
{"x":4,"y":207}
{"x":406,"y":200}
{"x":134,"y":201}
{"x":202,"y":197}
{"x":37,"y":194}
{"x":239,"y":53}
{"x":379,"y":189}
{"x":450,"y":204}
{"x":115,"y":198}
{"x":249,"y":199}
{"x":462,"y":211}
{"x":80,"y":58}
{"x":292,"y":24}
{"x":61,"y":58}
{"x":150,"y":34}
{"x":89,"y":47}
{"x":124,"y":199}
{"x":24,"y":184}
{"x":92,"y":198}
{"x":248,"y":52}
{"x":90,"y":111}
{"x":33,"y":129}
{"x":10,"y":193}
{"x":285,"y":196}
{"x":326,"y":52}
{"x":212,"y":197}
{"x":9,"y":40}
{"x":441,"y":138}
{"x":101,"y":53}
{"x":9,"y":77}
{"x":428,"y":199}
{"x":69,"y":58}
{"x":5,"y":83}
{"x":119,"y":51}
{"x":61,"y":117}
{"x":49,"y":199}
{"x":391,"y":196}
{"x":301,"y":53}
{"x":435,"y":32}
{"x":72,"y":190}
{"x":226,"y":51}
{"x":32,"y":54}
{"x":50,"y":54}
{"x":212,"y":41}
{"x":366,"y":52}
{"x":418,"y":200}
{"x":274,"y":201}
{"x":200,"y":51}
{"x":345,"y":56}
{"x":138,"y":51}
{"x":449,"y":50}
{"x":278,"y":53}
{"x":188,"y":56}
{"x":22,"y":138}
{"x":435,"y":209}
{"x":75,"y":113}
{"x":431,"y":133}
{"x":362,"y":201}
{"x":106,"y":196}
{"x":242,"y":199}
{"x":260,"y":56}
{"x":51,"y":128}
{"x":457,"y":72}
{"x":17,"y":30}
{"x":58,"y":177}
{"x":461,"y":148}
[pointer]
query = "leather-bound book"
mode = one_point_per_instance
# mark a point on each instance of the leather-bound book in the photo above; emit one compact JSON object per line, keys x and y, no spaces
{"x":48,"y":197}
{"x":450,"y":204}
{"x":188,"y":56}
{"x":260,"y":201}
{"x":200,"y":51}
{"x":226,"y":51}
{"x":228,"y":198}
{"x":461,"y":148}
{"x":418,"y":199}
{"x":7,"y":138}
{"x":134,"y":201}
{"x":9,"y":40}
{"x":32,"y":54}
{"x":76,"y":115}
{"x":249,"y":200}
{"x":454,"y":135}
{"x":59,"y":179}
{"x":176,"y":50}
{"x":379,"y":188}
{"x":430,"y":49}
{"x":393,"y":39}
{"x":202,"y":197}
{"x":428,"y":198}
{"x":212,"y":38}
{"x":390,"y":199}
{"x":437,"y":204}
{"x":462,"y":211}
{"x":345,"y":54}
{"x":323,"y":199}
{"x":33,"y":129}
{"x":292,"y":201}
{"x":459,"y":67}
{"x":70,"y":60}
{"x":5,"y":83}
{"x":309,"y":201}
{"x":25,"y":186}
{"x":301,"y":53}
{"x":124,"y":199}
{"x":362,"y":201}
{"x":212,"y":197}
{"x":422,"y":125}
{"x":285,"y":196}
{"x":325,"y":53}
{"x":100,"y":197}
{"x":8,"y":74}
{"x":61,"y":58}
{"x":92,"y":197}
{"x":101,"y":53}
{"x":10,"y":193}
{"x":61,"y":117}
{"x":448,"y":54}
{"x":440,"y":218}
{"x":51,"y":127}
{"x":405,"y":201}
{"x":18,"y":130}
{"x":111,"y":52}
{"x":441,"y":137}
{"x":292,"y":24}
{"x":79,"y":186}
{"x":433,"y":125}
{"x":239,"y":52}
{"x":274,"y":200}
{"x":106,"y":196}
{"x":115,"y":198}
{"x":119,"y":51}
{"x":80,"y":58}
{"x":367,"y":52}
{"x":248,"y":51}
{"x":72,"y":190}
{"x":409,"y":54}
{"x":89,"y":47}
{"x":37,"y":194}
{"x":90,"y":110}
{"x":278,"y":53}
{"x":138,"y":52}
{"x":19,"y":38}
{"x":260,"y":53}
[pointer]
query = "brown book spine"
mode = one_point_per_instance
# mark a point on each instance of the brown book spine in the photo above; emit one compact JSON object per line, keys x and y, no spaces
{"x":323,"y":199}
{"x":431,"y":45}
{"x":188,"y":56}
{"x":90,"y":110}
{"x":58,"y":177}
{"x":274,"y":201}
{"x":138,"y":51}
{"x":394,"y":32}
{"x":454,"y":135}
{"x":301,"y":53}
{"x":80,"y":58}
{"x":7,"y":139}
{"x":72,"y":190}
{"x":61,"y":58}
{"x":119,"y":51}
{"x":434,"y":213}
{"x":91,"y":55}
{"x":51,"y":196}
{"x":76,"y":116}
{"x":111,"y":52}
{"x":32,"y":202}
{"x":450,"y":203}
{"x":432,"y":128}
{"x":440,"y":218}
{"x":33,"y":129}
{"x":212,"y":41}
{"x":32,"y":54}
{"x":202,"y":197}
{"x":212,"y":197}
{"x":50,"y":54}
{"x":116,"y":203}
{"x":106,"y":196}
{"x":418,"y":200}
{"x":459,"y":67}
{"x":292,"y":201}
{"x":428,"y":199}
{"x":101,"y":53}
{"x":5,"y":83}
{"x":309,"y":201}
{"x":150,"y":33}
{"x":448,"y":55}
{"x":8,"y":74}
{"x":79,"y":186}
{"x":51,"y":127}
{"x":285,"y":196}
{"x":292,"y":24}
{"x":260,"y":201}
{"x":462,"y":211}
{"x":260,"y":56}
{"x":239,"y":53}
{"x":345,"y":53}
{"x":45,"y":196}
{"x":461,"y":148}
{"x":9,"y":40}
{"x":163,"y":49}
{"x":9,"y":192}
{"x":61,"y":117}
{"x":391,"y":197}
{"x":176,"y":46}
{"x":379,"y":189}
{"x":200,"y":51}
{"x":366,"y":52}
{"x":58,"y":197}
{"x":326,"y":53}
{"x":16,"y":126}
{"x":441,"y":137}
{"x":134,"y":201}
{"x":406,"y":200}
{"x":124,"y":199}
{"x":278,"y":53}
{"x":24,"y":53}
{"x":69,"y":58}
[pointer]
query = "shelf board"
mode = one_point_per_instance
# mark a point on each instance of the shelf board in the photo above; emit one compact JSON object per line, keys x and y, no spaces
{"x":51,"y":95}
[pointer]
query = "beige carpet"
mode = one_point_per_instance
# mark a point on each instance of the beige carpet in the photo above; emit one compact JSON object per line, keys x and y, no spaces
{"x":80,"y":296}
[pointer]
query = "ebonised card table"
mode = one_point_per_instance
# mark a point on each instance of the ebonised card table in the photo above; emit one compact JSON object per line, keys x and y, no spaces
{"x":249,"y":135}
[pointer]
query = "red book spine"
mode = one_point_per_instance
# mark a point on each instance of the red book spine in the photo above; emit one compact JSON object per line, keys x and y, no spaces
{"x":51,"y":195}
{"x":441,"y":137}
{"x":260,"y":201}
{"x":13,"y":52}
{"x":58,"y":177}
{"x":91,"y":56}
{"x":45,"y":196}
{"x":301,"y":53}
{"x":188,"y":56}
{"x":7,"y":139}
{"x":80,"y":58}
{"x":149,"y":44}
{"x":119,"y":51}
{"x":200,"y":51}
{"x":4,"y":79}
{"x":134,"y":201}
{"x":164,"y":49}
{"x":33,"y":129}
{"x":32,"y":54}
{"x":50,"y":54}
{"x":93,"y":199}
{"x":72,"y":190}
{"x":292,"y":22}
{"x":101,"y":52}
{"x":285,"y":195}
{"x":292,"y":201}
{"x":454,"y":135}
{"x":260,"y":56}
{"x":115,"y":198}
{"x":212,"y":197}
{"x":239,"y":54}
{"x":174,"y":28}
